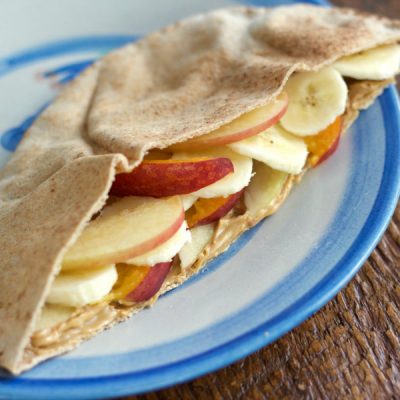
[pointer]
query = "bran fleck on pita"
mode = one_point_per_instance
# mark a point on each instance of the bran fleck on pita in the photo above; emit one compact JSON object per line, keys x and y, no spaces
{"x":181,"y":82}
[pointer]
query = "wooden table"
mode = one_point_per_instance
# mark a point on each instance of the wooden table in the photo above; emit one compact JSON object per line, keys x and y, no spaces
{"x":349,"y":349}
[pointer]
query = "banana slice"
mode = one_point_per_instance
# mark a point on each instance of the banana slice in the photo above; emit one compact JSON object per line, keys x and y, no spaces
{"x":166,"y":251}
{"x":316,"y":99}
{"x":275,"y":147}
{"x":51,"y":315}
{"x":264,"y":189}
{"x":80,"y":288}
{"x":377,"y":64}
{"x":232,"y":183}
{"x":201,"y":236}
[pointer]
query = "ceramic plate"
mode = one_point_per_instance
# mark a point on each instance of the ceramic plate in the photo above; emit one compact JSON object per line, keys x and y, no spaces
{"x":272,"y":278}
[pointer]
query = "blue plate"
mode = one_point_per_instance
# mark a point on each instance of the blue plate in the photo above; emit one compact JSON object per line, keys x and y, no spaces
{"x":272,"y":278}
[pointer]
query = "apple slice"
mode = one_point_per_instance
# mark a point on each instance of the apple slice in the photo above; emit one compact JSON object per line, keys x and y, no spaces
{"x":206,"y":211}
{"x":231,"y":183}
{"x":151,"y":283}
{"x":248,"y":124}
{"x":165,"y":251}
{"x":161,"y":178}
{"x":325,"y":143}
{"x":126,"y":228}
{"x":201,"y":236}
{"x":265,"y":186}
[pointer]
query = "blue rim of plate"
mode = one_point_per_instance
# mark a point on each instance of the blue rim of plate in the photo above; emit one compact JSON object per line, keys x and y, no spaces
{"x":313,"y":300}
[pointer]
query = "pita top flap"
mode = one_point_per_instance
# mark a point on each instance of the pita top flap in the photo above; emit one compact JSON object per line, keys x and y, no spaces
{"x":194,"y":76}
{"x":181,"y":82}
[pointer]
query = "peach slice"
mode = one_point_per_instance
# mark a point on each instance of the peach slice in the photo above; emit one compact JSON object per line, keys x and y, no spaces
{"x":129,"y":278}
{"x":248,"y":124}
{"x":125,"y":229}
{"x":325,"y":143}
{"x":151,"y":283}
{"x":138,"y":283}
{"x":161,"y":178}
{"x":206,"y":211}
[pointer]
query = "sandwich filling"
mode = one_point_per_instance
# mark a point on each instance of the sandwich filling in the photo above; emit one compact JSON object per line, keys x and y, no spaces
{"x":168,"y":214}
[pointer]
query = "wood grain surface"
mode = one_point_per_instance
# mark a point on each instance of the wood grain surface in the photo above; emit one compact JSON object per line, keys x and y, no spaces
{"x":350,"y":349}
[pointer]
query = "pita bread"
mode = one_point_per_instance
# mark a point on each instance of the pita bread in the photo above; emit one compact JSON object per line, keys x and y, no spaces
{"x":180,"y":82}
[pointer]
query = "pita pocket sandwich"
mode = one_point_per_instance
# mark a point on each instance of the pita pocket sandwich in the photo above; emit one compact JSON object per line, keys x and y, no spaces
{"x":157,"y":157}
